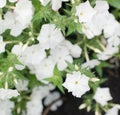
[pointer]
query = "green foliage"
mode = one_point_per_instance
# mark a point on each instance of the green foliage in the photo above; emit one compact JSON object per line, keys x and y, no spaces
{"x":99,"y":68}
{"x":115,"y":3}
{"x":33,"y":82}
{"x":56,"y":79}
{"x":8,"y":72}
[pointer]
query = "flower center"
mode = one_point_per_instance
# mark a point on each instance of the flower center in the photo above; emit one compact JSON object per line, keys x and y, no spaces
{"x":81,"y":14}
{"x":76,"y":82}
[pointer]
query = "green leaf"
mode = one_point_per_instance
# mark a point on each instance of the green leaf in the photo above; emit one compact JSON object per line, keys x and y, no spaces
{"x":33,"y":81}
{"x":114,"y":3}
{"x":70,"y":66}
{"x":56,"y":79}
{"x":99,"y":68}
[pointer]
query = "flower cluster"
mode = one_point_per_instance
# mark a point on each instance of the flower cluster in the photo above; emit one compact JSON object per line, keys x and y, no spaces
{"x":49,"y":44}
{"x":89,"y":17}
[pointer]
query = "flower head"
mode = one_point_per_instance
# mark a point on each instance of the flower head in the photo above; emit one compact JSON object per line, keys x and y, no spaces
{"x":77,"y":83}
{"x":8,"y":93}
{"x":113,"y":111}
{"x":85,"y":12}
{"x":102,"y":95}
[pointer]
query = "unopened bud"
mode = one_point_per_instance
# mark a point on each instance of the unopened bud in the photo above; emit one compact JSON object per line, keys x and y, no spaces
{"x":94,"y":79}
{"x":10,"y":69}
{"x":88,"y":109}
{"x":76,"y":67}
{"x":82,"y":106}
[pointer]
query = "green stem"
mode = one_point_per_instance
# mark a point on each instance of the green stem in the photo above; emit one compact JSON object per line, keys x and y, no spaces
{"x":6,"y":83}
{"x":101,"y":45}
{"x":86,"y":53}
{"x":93,"y":48}
{"x":1,"y":13}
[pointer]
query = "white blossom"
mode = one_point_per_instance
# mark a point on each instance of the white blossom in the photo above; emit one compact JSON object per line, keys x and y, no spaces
{"x":56,"y":4}
{"x":111,"y":31}
{"x":60,"y":55}
{"x":50,"y":36}
{"x":114,"y":41}
{"x":102,"y":96}
{"x":74,"y":50}
{"x":54,"y":96}
{"x":2,"y":3}
{"x":85,"y":12}
{"x":44,"y":69}
{"x":35,"y":106}
{"x":91,"y":28}
{"x":21,"y":85}
{"x":19,"y":67}
{"x":113,"y":111}
{"x":8,"y":93}
{"x":6,"y":107}
{"x":92,"y":63}
{"x":34,"y":54}
{"x":77,"y":83}
{"x":23,"y":14}
{"x":19,"y":50}
{"x":107,"y":53}
{"x":44,"y":2}
{"x":19,"y":19}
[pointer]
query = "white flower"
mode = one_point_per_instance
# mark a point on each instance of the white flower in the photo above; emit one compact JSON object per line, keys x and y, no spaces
{"x":111,"y":31}
{"x":44,"y":2}
{"x":40,"y":92}
{"x":2,"y":3}
{"x":2,"y":45}
{"x":19,"y":51}
{"x":56,"y":4}
{"x":60,"y":55}
{"x":24,"y":11}
{"x":35,"y":54}
{"x":101,"y":6}
{"x":114,"y":41}
{"x":44,"y":69}
{"x":51,"y":98}
{"x":107,"y":53}
{"x":102,"y":96}
{"x":85,"y":12}
{"x":77,"y":83}
{"x":8,"y":22}
{"x":21,"y":85}
{"x":19,"y":19}
{"x":35,"y":106}
{"x":88,"y":29}
{"x":23,"y":14}
{"x":8,"y":93}
{"x":74,"y":50}
{"x":50,"y":36}
{"x":113,"y":111}
{"x":92,"y":28}
{"x":19,"y":67}
{"x":6,"y":107}
{"x":92,"y":63}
